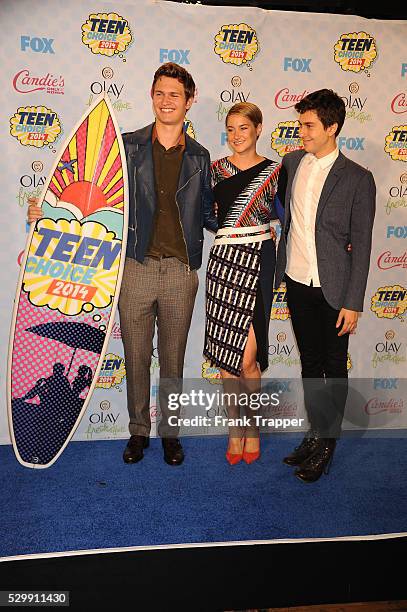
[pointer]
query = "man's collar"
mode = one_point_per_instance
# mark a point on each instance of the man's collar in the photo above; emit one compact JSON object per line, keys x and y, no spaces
{"x":327,"y":160}
{"x":181,"y":140}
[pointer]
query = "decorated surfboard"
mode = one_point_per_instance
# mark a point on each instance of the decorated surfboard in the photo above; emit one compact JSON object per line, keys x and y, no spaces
{"x":68,"y":289}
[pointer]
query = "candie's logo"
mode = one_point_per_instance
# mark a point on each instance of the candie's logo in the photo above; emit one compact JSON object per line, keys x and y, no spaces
{"x":116,"y":331}
{"x":389,"y":302}
{"x":112,"y":372}
{"x":26,"y":82}
{"x":286,"y":137}
{"x":279,"y":309}
{"x":35,"y":126}
{"x":396,"y":143}
{"x":72,"y":267}
{"x":388,"y":260}
{"x":236,"y":44}
{"x":399,"y":103}
{"x":392,"y":406}
{"x":355,"y":51}
{"x":106,"y":34}
{"x":285,"y":98}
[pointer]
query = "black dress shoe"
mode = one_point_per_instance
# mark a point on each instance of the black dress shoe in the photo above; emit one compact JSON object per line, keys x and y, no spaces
{"x":319,"y":463}
{"x":302,"y":452}
{"x":134,"y":449}
{"x":173,"y":453}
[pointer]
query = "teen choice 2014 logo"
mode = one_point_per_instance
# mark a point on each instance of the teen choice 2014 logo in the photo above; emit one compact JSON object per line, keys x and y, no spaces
{"x":112,"y":372}
{"x":279,"y":309}
{"x":286,"y":137}
{"x":355,"y":51}
{"x":211,"y":373}
{"x":107,"y":34}
{"x":389,"y":302}
{"x":396,"y":143}
{"x":72,"y":267}
{"x":35,"y":126}
{"x":236,"y":43}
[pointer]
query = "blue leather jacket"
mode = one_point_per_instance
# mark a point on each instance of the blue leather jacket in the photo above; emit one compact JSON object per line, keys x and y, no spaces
{"x":194,"y":196}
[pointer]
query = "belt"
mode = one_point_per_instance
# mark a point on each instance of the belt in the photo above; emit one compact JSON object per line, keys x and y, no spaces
{"x":158,"y":257}
{"x":243,"y":235}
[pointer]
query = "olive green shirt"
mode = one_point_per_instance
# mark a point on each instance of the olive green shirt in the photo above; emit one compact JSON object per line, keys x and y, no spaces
{"x":167,"y":238}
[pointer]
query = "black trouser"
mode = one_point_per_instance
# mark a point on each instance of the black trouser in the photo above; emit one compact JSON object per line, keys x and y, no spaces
{"x":323,"y":357}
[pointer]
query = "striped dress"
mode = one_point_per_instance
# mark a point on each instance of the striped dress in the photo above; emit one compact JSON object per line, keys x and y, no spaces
{"x":240,"y":271}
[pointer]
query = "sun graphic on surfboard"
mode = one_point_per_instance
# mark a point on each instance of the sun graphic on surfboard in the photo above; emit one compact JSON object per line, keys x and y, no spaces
{"x":89,"y":176}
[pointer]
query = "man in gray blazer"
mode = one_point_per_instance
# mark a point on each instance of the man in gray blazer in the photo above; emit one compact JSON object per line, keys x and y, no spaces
{"x":323,"y":256}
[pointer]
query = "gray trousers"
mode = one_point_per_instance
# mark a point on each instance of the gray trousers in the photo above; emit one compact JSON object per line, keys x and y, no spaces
{"x":157,"y":291}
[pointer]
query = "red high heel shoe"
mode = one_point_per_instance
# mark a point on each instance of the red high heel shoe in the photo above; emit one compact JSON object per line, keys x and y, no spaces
{"x":249,"y":457}
{"x":234,"y":458}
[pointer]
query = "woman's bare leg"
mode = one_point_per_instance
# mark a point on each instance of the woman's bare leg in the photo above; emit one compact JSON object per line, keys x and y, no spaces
{"x":231,"y":390}
{"x":250,"y":383}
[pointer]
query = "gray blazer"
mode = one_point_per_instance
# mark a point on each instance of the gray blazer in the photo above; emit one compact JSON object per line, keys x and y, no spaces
{"x":343,"y":229}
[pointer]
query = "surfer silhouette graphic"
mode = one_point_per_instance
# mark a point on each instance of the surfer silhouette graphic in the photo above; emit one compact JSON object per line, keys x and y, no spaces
{"x":51,"y":389}
{"x":82,"y":380}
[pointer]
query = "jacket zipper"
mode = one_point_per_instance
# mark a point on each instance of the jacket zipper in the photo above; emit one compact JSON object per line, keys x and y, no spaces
{"x":179,"y":215}
{"x":135,"y":204}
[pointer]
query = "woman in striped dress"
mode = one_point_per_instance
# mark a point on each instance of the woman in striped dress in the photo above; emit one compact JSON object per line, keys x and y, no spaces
{"x":240,"y":272}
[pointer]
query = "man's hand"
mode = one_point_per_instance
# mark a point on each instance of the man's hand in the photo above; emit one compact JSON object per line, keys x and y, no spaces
{"x":34,"y":211}
{"x":348,"y":319}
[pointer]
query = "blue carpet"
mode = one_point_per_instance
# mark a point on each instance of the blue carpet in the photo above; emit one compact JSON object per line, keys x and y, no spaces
{"x":89,"y":499}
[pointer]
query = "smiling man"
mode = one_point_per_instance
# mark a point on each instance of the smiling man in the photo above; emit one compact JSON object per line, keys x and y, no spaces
{"x":324,"y":252}
{"x":170,"y":202}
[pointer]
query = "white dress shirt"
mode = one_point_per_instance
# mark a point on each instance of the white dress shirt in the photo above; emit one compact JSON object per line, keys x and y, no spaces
{"x":308,"y":182}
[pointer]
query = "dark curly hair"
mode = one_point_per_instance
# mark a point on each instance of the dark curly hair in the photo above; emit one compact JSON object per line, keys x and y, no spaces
{"x":329,"y":107}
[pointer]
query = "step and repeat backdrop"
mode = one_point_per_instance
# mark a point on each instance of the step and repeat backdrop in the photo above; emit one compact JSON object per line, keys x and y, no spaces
{"x":58,"y":56}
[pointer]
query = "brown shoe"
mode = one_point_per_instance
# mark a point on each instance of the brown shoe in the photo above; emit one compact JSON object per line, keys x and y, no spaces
{"x":134,"y":449}
{"x":173,"y":453}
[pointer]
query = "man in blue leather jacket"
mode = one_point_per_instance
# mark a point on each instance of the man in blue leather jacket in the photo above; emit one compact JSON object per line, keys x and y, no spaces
{"x":170,"y":202}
